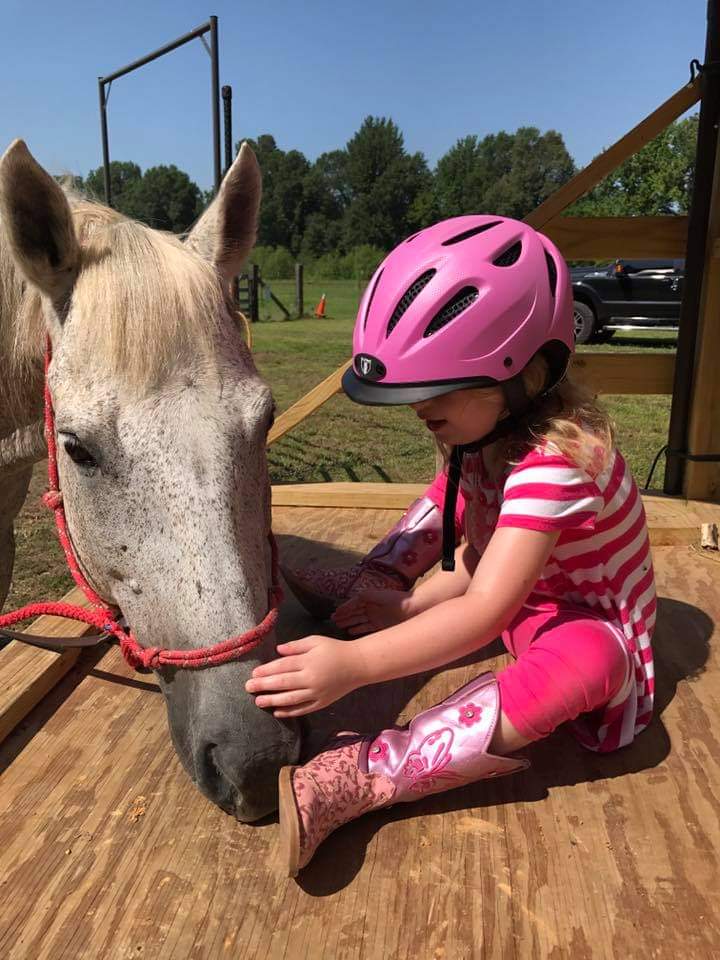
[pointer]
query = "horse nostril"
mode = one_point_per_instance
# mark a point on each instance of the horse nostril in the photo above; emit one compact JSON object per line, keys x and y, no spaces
{"x":210,"y":772}
{"x":211,"y":779}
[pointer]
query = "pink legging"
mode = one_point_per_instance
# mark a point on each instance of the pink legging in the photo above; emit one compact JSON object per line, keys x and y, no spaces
{"x":569,"y":661}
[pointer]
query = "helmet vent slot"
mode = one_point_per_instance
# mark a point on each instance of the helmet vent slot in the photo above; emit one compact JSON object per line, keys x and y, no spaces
{"x":370,"y":298}
{"x":472,"y":232}
{"x":510,"y":256}
{"x":452,"y":309}
{"x":407,"y":298}
{"x":552,"y":273}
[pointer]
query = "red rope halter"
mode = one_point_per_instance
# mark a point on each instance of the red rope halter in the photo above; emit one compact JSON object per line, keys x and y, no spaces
{"x":101,"y":616}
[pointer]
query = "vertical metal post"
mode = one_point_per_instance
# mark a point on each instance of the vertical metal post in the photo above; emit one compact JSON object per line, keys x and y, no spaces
{"x":105,"y":145}
{"x":695,"y":257}
{"x":227,"y":118}
{"x":299,"y":299}
{"x":215,"y":84}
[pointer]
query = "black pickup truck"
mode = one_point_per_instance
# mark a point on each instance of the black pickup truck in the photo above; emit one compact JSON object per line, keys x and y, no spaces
{"x":626,"y":295}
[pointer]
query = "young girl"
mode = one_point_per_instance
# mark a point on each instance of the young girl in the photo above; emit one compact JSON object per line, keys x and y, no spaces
{"x":470,"y":322}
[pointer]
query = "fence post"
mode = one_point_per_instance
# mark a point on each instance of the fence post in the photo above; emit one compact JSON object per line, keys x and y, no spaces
{"x":254,"y":294}
{"x":299,"y":299}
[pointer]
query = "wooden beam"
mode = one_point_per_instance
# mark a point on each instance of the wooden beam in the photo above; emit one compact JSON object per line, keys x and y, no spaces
{"x":307,"y":404}
{"x":702,"y":480}
{"x":28,"y":673}
{"x":598,"y":238}
{"x":625,"y":147}
{"x":376,"y":496}
{"x":672,"y":521}
{"x":627,"y":373}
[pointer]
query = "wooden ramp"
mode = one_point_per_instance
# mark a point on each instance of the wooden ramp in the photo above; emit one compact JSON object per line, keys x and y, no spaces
{"x":108,"y":851}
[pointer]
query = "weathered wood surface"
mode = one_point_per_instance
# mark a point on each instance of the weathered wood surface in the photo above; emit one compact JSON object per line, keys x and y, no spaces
{"x":672,"y":520}
{"x":107,"y":850}
{"x":597,"y":238}
{"x":28,"y":673}
{"x":702,"y":479}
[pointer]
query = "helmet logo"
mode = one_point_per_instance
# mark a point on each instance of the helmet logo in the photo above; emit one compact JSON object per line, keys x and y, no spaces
{"x":369,"y":367}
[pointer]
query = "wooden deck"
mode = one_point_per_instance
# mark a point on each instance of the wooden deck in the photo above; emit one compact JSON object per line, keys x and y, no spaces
{"x":108,"y":851}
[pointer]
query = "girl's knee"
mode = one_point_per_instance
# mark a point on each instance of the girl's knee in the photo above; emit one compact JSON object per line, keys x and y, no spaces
{"x":563,"y":674}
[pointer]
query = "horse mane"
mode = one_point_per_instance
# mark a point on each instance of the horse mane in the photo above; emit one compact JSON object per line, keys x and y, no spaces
{"x":143,"y":301}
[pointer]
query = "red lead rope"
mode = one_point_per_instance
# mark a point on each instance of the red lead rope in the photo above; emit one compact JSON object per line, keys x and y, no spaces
{"x":101,"y":616}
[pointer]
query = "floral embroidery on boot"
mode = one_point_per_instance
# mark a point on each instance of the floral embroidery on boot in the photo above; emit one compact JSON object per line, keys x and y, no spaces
{"x":327,"y":792}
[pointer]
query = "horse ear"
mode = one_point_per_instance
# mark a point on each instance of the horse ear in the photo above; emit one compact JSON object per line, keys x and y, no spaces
{"x":38,"y":223}
{"x":225,"y":233}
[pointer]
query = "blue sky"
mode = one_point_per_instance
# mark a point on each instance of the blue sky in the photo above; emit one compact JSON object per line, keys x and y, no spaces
{"x":309,"y":72}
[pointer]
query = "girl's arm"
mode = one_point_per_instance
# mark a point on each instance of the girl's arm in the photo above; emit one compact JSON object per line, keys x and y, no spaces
{"x":372,"y":609}
{"x":508,"y":570}
{"x":315,"y":671}
{"x":444,"y":584}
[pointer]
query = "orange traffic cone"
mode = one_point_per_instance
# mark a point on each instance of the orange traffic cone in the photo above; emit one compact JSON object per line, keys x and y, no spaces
{"x":320,"y":308}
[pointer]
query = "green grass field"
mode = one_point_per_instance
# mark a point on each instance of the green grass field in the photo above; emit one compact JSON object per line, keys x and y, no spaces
{"x":342,"y":441}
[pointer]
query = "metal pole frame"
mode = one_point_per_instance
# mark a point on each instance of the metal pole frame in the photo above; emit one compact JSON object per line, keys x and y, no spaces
{"x":227,"y":126}
{"x":210,"y":27}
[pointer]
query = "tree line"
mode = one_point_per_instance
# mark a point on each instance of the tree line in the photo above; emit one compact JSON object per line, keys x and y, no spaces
{"x":341,"y":213}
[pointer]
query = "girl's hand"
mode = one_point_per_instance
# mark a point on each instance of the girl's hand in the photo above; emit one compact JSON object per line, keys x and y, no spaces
{"x":373,"y":610}
{"x":310,"y":674}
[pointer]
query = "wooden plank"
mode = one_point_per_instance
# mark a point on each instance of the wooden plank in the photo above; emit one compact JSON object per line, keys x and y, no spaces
{"x":702,"y":480}
{"x":375,"y":496}
{"x":596,"y":238}
{"x":671,"y":520}
{"x":625,"y":373}
{"x":308,"y":404}
{"x":625,"y":147}
{"x":568,"y":859}
{"x":28,"y":673}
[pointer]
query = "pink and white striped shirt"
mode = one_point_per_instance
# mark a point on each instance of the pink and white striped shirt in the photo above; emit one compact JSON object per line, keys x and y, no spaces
{"x":601,"y":560}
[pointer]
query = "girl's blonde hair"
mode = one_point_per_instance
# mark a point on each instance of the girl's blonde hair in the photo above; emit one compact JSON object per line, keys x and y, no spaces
{"x":569,"y":420}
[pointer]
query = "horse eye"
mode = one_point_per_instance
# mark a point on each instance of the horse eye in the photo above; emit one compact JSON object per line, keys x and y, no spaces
{"x":77,"y":452}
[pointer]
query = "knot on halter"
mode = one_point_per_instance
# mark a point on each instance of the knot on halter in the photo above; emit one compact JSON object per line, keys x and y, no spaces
{"x":53,"y":499}
{"x":147,"y":658}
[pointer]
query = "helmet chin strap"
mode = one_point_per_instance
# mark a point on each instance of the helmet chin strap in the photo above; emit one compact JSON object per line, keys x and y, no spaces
{"x":519,"y":406}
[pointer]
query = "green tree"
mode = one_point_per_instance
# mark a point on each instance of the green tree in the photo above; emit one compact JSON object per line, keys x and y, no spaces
{"x":384,"y":182}
{"x":656,"y":180}
{"x":326,"y":197}
{"x":165,"y":198}
{"x":283,"y":208}
{"x":123,"y":175}
{"x":504,"y":173}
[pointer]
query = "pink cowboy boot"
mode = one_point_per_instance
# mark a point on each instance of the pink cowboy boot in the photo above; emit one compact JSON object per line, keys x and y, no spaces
{"x":407,"y":551}
{"x":443,"y":747}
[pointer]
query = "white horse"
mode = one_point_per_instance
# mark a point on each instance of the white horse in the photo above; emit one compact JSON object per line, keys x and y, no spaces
{"x":161,"y":421}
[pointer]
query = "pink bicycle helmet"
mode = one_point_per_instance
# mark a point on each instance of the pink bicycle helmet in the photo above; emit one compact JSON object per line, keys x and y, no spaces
{"x":465,"y":303}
